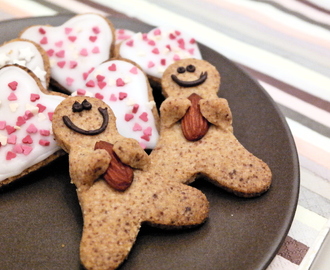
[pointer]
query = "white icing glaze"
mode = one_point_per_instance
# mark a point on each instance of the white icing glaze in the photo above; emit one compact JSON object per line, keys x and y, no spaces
{"x":26,"y":54}
{"x":122,"y":99}
{"x":74,"y":48}
{"x":19,"y":113}
{"x":159,"y":48}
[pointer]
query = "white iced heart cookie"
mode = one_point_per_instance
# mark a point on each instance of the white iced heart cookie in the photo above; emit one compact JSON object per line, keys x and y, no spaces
{"x":26,"y":140}
{"x":74,"y":48}
{"x":156,"y":50}
{"x":28,"y":54}
{"x":125,"y":88}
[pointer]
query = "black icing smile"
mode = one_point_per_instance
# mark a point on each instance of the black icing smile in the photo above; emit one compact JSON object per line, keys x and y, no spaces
{"x":197,"y":82}
{"x":77,"y":107}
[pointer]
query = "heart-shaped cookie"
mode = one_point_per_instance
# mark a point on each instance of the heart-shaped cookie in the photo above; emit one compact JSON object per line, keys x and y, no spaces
{"x":26,"y":140}
{"x":28,"y":54}
{"x":75,"y":47}
{"x":156,"y":50}
{"x":125,"y":88}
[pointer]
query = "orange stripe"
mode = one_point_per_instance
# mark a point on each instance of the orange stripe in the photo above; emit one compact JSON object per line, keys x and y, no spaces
{"x":14,"y":11}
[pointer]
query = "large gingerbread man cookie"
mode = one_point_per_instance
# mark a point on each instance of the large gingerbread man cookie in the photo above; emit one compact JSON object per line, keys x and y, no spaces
{"x":115,"y":189}
{"x":196,"y":135}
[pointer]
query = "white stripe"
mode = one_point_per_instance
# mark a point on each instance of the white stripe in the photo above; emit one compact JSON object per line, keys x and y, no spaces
{"x":281,"y":263}
{"x":321,"y":3}
{"x":298,"y":105}
{"x":274,"y":65}
{"x":35,"y":9}
{"x":303,"y":233}
{"x":310,"y":218}
{"x":308,"y":180}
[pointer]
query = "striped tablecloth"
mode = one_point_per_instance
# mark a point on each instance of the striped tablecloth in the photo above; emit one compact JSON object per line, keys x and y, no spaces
{"x":285,"y":45}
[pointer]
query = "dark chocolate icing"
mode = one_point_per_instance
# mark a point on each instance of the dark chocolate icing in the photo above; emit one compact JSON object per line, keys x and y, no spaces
{"x":197,"y":82}
{"x":104,"y":112}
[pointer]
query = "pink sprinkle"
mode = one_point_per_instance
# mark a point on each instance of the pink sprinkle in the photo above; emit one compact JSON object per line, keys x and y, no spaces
{"x":120,"y":82}
{"x":135,"y":108}
{"x":147,"y":131}
{"x":152,"y":42}
{"x":191,"y":51}
{"x":144,"y":117}
{"x":157,"y":32}
{"x":113,"y":97}
{"x":122,"y":95}
{"x":168,"y":46}
{"x":34,"y":97}
{"x":99,"y":96}
{"x":31,"y":129}
{"x":20,"y":121}
{"x":96,"y":49}
{"x":12,"y":97}
{"x":69,"y":81}
{"x":41,"y":108}
{"x":100,"y":78}
{"x":72,"y":38}
{"x":96,"y":30}
{"x":28,"y":115}
{"x":192,"y":41}
{"x":176,"y":57}
{"x":181,"y":41}
{"x":84,"y":52}
{"x":143,"y":146}
{"x":81,"y":92}
{"x":137,"y":127}
{"x":112,"y":67}
{"x":60,"y":54}
{"x":44,"y":132}
{"x":44,"y":41}
{"x":68,"y":30}
{"x":44,"y":142}
{"x":92,"y":38}
{"x":26,"y":149}
{"x":10,"y":155}
{"x":145,"y":137}
{"x":12,"y":139}
{"x":13,"y":85}
{"x":18,"y":149}
{"x":50,"y":52}
{"x":73,"y":64}
{"x":27,"y":140}
{"x":151,"y":64}
{"x":145,"y":36}
{"x":121,"y":31}
{"x":42,"y":31}
{"x":172,"y":36}
{"x":101,"y":84}
{"x":134,"y":70}
{"x":130,"y":43}
{"x":90,"y":83}
{"x":61,"y":64}
{"x":50,"y":116}
{"x":178,"y":33}
{"x":85,"y":75}
{"x":59,"y":44}
{"x":10,"y":129}
{"x":155,"y":51}
{"x":128,"y":117}
{"x":163,"y":62}
{"x":2,"y":125}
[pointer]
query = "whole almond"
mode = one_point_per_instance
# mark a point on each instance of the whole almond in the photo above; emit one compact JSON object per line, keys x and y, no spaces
{"x":118,"y":175}
{"x":194,"y":125}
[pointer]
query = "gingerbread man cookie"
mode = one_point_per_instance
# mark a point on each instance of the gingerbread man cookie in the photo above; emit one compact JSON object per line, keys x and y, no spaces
{"x":115,"y":189}
{"x":196,"y":134}
{"x":74,"y":48}
{"x":26,"y":110}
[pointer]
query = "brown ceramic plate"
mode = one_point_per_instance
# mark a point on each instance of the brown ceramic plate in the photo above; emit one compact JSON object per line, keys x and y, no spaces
{"x":40,"y":220}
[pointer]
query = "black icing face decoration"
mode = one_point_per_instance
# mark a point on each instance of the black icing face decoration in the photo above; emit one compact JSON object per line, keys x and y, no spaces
{"x":85,"y":105}
{"x":189,"y":68}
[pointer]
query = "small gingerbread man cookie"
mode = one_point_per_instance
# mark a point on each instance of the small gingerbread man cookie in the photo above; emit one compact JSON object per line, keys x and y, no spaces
{"x":196,"y":134}
{"x":115,"y":189}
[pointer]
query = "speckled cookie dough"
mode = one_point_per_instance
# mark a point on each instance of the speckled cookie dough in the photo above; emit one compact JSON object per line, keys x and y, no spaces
{"x":196,"y":134}
{"x":100,"y":161}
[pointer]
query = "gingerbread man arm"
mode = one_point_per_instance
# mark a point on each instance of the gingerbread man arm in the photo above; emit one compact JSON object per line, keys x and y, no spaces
{"x":172,"y":110}
{"x":86,"y":165}
{"x":217,"y":112}
{"x":131,"y":153}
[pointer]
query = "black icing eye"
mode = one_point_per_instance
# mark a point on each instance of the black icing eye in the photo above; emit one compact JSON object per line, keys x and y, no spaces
{"x":77,"y":107}
{"x":86,"y":105}
{"x":190,"y":68}
{"x":181,"y":70}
